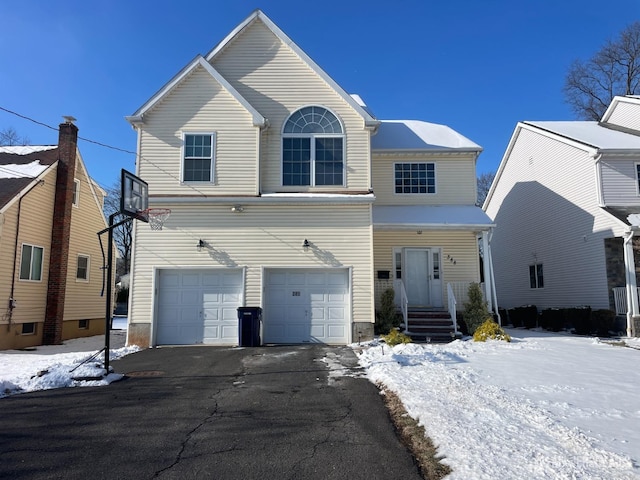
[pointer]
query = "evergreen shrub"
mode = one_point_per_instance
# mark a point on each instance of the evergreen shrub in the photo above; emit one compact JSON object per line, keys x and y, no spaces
{"x":395,"y":337}
{"x":490,"y":330}
{"x":387,"y":317}
{"x":475,"y":308}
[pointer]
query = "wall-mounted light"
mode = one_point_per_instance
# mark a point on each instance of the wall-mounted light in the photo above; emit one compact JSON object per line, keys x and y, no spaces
{"x":306,"y":245}
{"x":237,"y":209}
{"x":201,"y":244}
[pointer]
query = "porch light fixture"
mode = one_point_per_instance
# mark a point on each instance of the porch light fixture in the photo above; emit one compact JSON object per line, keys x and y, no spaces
{"x":237,"y":209}
{"x":306,"y":245}
{"x":201,"y":244}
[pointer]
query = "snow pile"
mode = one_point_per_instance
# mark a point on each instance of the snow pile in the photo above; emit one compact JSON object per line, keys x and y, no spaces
{"x":543,"y":406}
{"x":58,"y":366}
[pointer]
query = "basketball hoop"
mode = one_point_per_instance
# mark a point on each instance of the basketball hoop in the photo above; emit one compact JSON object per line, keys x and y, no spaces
{"x":156,"y":217}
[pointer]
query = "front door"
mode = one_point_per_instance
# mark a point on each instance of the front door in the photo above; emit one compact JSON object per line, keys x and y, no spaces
{"x":416,"y":280}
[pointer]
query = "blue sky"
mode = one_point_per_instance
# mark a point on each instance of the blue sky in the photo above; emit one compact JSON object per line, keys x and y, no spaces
{"x":477,"y":66}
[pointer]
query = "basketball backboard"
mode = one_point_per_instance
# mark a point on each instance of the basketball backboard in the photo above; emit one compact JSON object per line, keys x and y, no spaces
{"x":134,"y":200}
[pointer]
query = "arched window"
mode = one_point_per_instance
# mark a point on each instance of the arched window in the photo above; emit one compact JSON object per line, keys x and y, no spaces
{"x":313,"y":148}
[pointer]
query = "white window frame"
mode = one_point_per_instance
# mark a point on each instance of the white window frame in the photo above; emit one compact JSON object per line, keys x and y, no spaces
{"x":637,"y":166}
{"x":80,"y":279}
{"x":30,"y":279}
{"x":33,"y":332}
{"x":76,"y":192}
{"x":536,"y":276}
{"x":435,"y":178}
{"x":212,"y":158}
{"x":312,"y":140}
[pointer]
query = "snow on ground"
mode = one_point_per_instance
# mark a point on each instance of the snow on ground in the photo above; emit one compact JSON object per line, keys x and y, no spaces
{"x":55,"y":366}
{"x":543,"y":406}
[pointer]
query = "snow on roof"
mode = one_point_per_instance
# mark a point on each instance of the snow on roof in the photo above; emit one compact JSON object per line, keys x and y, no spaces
{"x":418,"y":135}
{"x":25,"y":170}
{"x":26,"y":149}
{"x":591,"y":133}
{"x":424,"y":216}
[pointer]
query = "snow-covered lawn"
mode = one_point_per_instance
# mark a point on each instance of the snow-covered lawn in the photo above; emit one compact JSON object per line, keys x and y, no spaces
{"x":543,"y":406}
{"x":57,"y":366}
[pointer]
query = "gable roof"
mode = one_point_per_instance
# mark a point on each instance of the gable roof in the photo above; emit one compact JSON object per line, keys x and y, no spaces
{"x":633,"y":99}
{"x":198,"y":61}
{"x":416,"y":135}
{"x":591,"y":134}
{"x":20,"y":166}
{"x":369,"y":120}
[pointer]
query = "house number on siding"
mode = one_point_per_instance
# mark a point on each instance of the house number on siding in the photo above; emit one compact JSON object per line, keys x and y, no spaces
{"x":295,"y":294}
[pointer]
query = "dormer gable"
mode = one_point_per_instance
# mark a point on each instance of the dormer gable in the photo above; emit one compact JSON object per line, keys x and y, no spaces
{"x":623,"y":114}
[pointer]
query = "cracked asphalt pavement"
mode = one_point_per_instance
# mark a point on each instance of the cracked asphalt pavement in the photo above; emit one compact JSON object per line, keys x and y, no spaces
{"x":285,"y":412}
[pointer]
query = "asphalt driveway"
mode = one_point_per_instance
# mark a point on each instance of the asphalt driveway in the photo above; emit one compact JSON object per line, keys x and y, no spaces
{"x":209,"y":413}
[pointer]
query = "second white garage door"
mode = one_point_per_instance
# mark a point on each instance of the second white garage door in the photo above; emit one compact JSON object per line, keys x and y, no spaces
{"x":198,"y":306}
{"x":306,"y":305}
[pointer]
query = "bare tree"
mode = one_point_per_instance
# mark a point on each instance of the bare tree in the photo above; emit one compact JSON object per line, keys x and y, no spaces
{"x":122,"y":234}
{"x":10,"y":137}
{"x":484,"y":184}
{"x":613,"y":70}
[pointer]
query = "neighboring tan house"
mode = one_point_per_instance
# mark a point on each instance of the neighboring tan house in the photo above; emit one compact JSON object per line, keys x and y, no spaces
{"x":566,"y":202}
{"x":50,"y":257}
{"x":286,"y":193}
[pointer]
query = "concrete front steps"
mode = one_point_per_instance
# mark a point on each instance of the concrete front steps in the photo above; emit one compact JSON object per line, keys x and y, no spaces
{"x":430,"y":326}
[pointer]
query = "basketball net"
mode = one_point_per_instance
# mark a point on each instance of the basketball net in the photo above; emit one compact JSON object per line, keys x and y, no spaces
{"x":157,"y":217}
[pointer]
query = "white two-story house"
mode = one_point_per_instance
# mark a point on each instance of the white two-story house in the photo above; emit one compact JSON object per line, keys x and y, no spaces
{"x":287,"y":194}
{"x":566,"y":202}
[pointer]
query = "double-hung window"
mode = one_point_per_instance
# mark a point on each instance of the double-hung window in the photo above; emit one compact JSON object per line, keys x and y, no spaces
{"x":76,"y":192}
{"x":82,"y":268}
{"x":415,"y":177}
{"x":313,"y":149}
{"x":536,"y":278}
{"x":31,"y":263}
{"x":198,"y":157}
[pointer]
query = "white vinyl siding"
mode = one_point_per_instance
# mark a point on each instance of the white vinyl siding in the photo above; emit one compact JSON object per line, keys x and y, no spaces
{"x":277,"y":83}
{"x":200,"y":104}
{"x":625,"y":115}
{"x":455,"y":179}
{"x":620,"y":181}
{"x":546,"y":210}
{"x":259,"y":237}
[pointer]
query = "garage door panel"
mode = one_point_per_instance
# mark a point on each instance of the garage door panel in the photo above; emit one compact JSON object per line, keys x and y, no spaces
{"x":194,"y":307}
{"x":310,"y":306}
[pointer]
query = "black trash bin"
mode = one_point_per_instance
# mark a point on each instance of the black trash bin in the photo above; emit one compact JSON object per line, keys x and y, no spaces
{"x":249,"y":319}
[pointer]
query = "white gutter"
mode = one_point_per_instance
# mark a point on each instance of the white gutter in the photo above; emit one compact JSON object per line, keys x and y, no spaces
{"x":266,"y":199}
{"x":433,"y":226}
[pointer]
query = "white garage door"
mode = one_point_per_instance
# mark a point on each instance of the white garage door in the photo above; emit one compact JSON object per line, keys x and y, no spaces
{"x":198,"y":306}
{"x":306,"y":306}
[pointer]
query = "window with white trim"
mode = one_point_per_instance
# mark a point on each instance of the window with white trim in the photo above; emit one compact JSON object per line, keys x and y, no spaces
{"x":536,"y":277}
{"x":29,"y":328}
{"x":415,"y":178}
{"x":76,"y":192}
{"x":31,"y":262}
{"x":82,"y":268}
{"x":638,"y":177}
{"x":198,"y":157}
{"x":313,"y":149}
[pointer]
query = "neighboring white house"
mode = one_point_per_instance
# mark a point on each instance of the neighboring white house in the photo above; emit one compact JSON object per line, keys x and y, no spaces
{"x":566,"y":202}
{"x":287,"y":194}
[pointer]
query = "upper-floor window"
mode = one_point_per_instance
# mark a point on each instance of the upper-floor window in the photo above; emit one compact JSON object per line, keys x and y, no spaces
{"x":76,"y":192}
{"x":313,"y":148}
{"x":31,"y":263}
{"x":82,"y":268}
{"x":536,"y":278}
{"x":198,"y":157}
{"x":415,"y":178}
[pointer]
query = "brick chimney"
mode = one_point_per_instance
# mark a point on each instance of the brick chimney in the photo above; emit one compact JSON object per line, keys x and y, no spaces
{"x":60,"y":233}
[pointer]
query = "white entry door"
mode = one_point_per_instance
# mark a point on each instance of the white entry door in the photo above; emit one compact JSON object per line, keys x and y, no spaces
{"x":416,"y":280}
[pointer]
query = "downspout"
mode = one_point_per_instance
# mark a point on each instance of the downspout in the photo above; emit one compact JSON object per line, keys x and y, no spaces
{"x":12,"y":304}
{"x":631,"y":284}
{"x":596,"y":159}
{"x":485,"y":270}
{"x":489,"y":259}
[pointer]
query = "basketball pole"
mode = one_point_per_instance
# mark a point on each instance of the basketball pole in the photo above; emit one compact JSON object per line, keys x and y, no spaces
{"x":108,"y":308}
